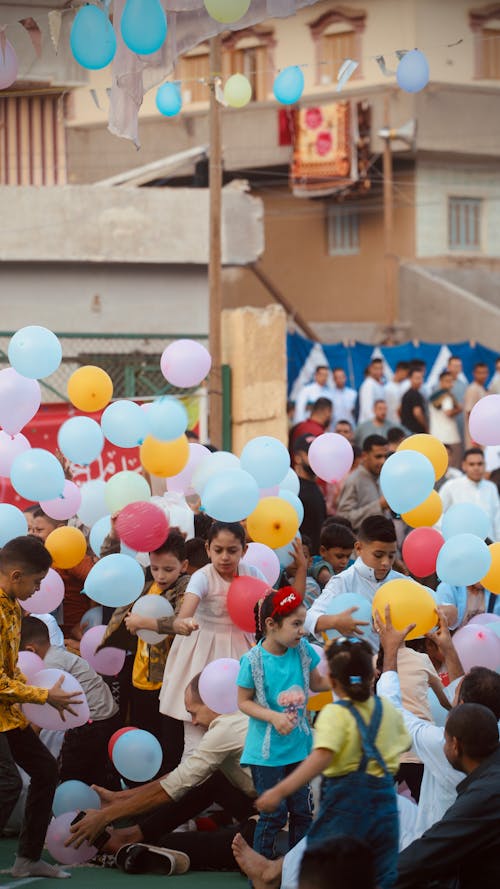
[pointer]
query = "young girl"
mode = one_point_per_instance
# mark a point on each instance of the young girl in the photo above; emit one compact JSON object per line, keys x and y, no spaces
{"x":357,"y":745}
{"x":273,"y":681}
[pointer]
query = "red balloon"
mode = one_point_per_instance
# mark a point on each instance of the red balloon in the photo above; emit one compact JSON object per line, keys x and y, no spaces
{"x":420,"y":551}
{"x":242,"y":596}
{"x":114,"y":737}
{"x":142,"y":526}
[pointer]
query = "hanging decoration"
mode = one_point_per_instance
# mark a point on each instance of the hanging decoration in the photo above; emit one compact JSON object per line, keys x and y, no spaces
{"x":413,"y":71}
{"x":289,"y":85}
{"x":227,"y":11}
{"x":169,"y":99}
{"x":144,"y":26}
{"x":92,"y":38}
{"x":8,"y":61}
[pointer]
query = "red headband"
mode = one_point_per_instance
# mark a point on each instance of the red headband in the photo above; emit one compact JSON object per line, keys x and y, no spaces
{"x":285,"y":601}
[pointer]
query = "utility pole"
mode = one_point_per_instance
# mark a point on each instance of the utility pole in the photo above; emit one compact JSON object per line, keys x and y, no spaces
{"x":215,"y":255}
{"x":389,"y":264}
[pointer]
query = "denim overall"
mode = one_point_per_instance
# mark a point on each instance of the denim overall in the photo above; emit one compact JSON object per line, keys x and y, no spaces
{"x":361,"y":805}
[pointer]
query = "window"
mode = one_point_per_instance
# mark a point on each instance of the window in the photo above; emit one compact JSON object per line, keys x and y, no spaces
{"x":32,"y":140}
{"x":250,"y":52}
{"x":337,"y":36}
{"x":464,"y":224}
{"x":334,"y":48}
{"x":485,"y":24}
{"x":343,"y":231}
{"x":190,"y":69}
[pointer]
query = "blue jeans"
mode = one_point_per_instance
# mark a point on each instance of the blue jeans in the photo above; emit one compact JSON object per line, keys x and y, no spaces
{"x":298,"y":806}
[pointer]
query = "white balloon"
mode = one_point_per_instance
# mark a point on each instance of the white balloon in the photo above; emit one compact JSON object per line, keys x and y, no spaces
{"x":155,"y":607}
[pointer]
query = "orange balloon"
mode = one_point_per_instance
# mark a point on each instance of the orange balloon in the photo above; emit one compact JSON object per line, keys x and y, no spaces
{"x":491,"y":580}
{"x":90,"y":388}
{"x":67,"y":546}
{"x":274,"y":522}
{"x":425,"y":514}
{"x":430,"y":447}
{"x":164,"y":458}
{"x":317,"y":702}
{"x":411,"y":603}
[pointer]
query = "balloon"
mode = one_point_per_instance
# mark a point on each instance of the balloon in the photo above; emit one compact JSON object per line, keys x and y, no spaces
{"x":185,"y":363}
{"x":91,"y":618}
{"x":411,"y":603}
{"x":464,"y":559}
{"x":182,"y":481}
{"x":412,"y":73}
{"x":98,"y":533}
{"x":167,"y":418}
{"x":67,"y":546}
{"x":155,"y":607}
{"x":10,"y":447}
{"x":273,"y":522}
{"x":164,"y":458}
{"x":90,"y":388}
{"x":58,"y":833}
{"x":485,"y":618}
{"x":74,"y":795}
{"x":237,"y":91}
{"x":420,"y":551}
{"x":351,"y":600}
{"x":115,"y":580}
{"x":217,"y":686}
{"x":330,"y":456}
{"x":37,"y":475}
{"x":66,"y":506}
{"x":114,"y":737}
{"x":48,"y":597}
{"x":242,"y":597}
{"x":262,"y":557}
{"x":477,"y":646}
{"x":273,"y":491}
{"x":214,"y":464}
{"x":93,"y":506}
{"x":285,"y":553}
{"x":290,"y":483}
{"x":320,"y":651}
{"x":431,"y":448}
{"x":137,"y":755}
{"x":124,"y":488}
{"x":406,"y":480}
{"x":46,"y":716}
{"x":142,"y":526}
{"x":289,"y":85}
{"x":29,"y":664}
{"x":438,"y":713}
{"x":230,"y":496}
{"x":227,"y":10}
{"x":19,"y":400}
{"x":295,"y":501}
{"x":491,"y":580}
{"x":109,"y":661}
{"x":169,"y":99}
{"x":35,"y":352}
{"x":12,"y":523}
{"x":426,"y":514}
{"x":124,"y":424}
{"x":144,"y":26}
{"x":267,"y":459}
{"x":92,"y":38}
{"x":484,"y":420}
{"x":8,"y":66}
{"x":81,"y":440}
{"x":466,"y":518}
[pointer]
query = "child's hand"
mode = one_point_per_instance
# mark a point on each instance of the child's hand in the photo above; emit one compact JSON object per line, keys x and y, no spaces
{"x":284,"y":723}
{"x":113,"y":533}
{"x":185,"y":626}
{"x":134,"y":622}
{"x":347,"y":625}
{"x":268,"y":801}
{"x":298,"y":552}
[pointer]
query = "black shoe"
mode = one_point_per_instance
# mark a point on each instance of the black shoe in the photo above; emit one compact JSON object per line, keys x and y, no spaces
{"x":140,"y":858}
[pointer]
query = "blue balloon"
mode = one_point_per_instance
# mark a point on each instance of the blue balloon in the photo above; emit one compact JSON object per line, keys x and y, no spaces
{"x":137,"y":755}
{"x":462,"y":560}
{"x":92,"y":38}
{"x":285,"y":553}
{"x":37,"y":475}
{"x":412,"y":72}
{"x":74,"y":796}
{"x":351,"y":600}
{"x":81,"y":440}
{"x":266,"y":459}
{"x":35,"y":352}
{"x":115,"y":580}
{"x":289,"y":85}
{"x":98,"y":534}
{"x":124,"y":424}
{"x":169,"y":99}
{"x":466,"y":518}
{"x":144,"y":26}
{"x":406,"y":480}
{"x":291,"y":482}
{"x":295,"y":501}
{"x":12,"y":523}
{"x":167,"y":418}
{"x":92,"y":618}
{"x":230,"y":496}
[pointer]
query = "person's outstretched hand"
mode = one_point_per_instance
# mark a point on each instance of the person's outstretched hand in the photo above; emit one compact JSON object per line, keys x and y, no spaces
{"x":63,"y":701}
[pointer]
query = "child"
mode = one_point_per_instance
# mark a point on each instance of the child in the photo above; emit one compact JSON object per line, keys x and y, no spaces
{"x":273,"y":681}
{"x":357,"y":745}
{"x":196,"y":554}
{"x":24,"y":562}
{"x":335,"y":549}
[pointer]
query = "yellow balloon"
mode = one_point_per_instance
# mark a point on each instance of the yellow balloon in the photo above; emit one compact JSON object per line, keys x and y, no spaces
{"x":164,"y":458}
{"x":431,"y":448}
{"x":227,"y":10}
{"x":491,"y":580}
{"x":410,"y":603}
{"x":90,"y":388}
{"x":238,"y":91}
{"x":274,"y":522}
{"x":67,"y":546}
{"x":317,"y":702}
{"x":425,"y":514}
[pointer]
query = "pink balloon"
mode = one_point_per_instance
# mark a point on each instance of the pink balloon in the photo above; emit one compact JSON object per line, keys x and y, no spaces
{"x":331,"y":456}
{"x":66,"y":506}
{"x":57,"y":834}
{"x":484,"y":421}
{"x":19,"y":399}
{"x":10,"y":447}
{"x":477,"y":646}
{"x":29,"y":664}
{"x":182,"y":482}
{"x":269,"y":492}
{"x":48,"y":597}
{"x":485,"y":618}
{"x":45,"y":716}
{"x":185,"y":363}
{"x":109,"y":661}
{"x":218,"y":689}
{"x":323,"y":664}
{"x":263,"y":557}
{"x":8,"y":66}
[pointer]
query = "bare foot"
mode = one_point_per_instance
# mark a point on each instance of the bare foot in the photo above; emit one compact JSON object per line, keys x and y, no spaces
{"x":121,"y":837}
{"x":264,"y":874}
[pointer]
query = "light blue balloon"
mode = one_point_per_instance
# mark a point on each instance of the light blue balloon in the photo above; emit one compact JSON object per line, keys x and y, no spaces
{"x":35,"y":352}
{"x":144,"y":26}
{"x":167,"y":418}
{"x":412,"y":73}
{"x":12,"y":523}
{"x":462,"y":560}
{"x":291,"y":482}
{"x":81,"y":440}
{"x":92,"y":618}
{"x":406,"y":480}
{"x":124,"y":424}
{"x":169,"y":99}
{"x":137,"y":755}
{"x":74,"y":796}
{"x":285,"y":553}
{"x":93,"y":505}
{"x":98,"y":533}
{"x":37,"y":475}
{"x":267,"y":459}
{"x":92,"y":38}
{"x":351,"y":600}
{"x":289,"y":85}
{"x":438,"y":713}
{"x":115,"y":580}
{"x":466,"y":518}
{"x":295,"y":501}
{"x":230,"y":496}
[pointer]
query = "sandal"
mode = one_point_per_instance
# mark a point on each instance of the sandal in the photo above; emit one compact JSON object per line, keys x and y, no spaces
{"x":140,"y":858}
